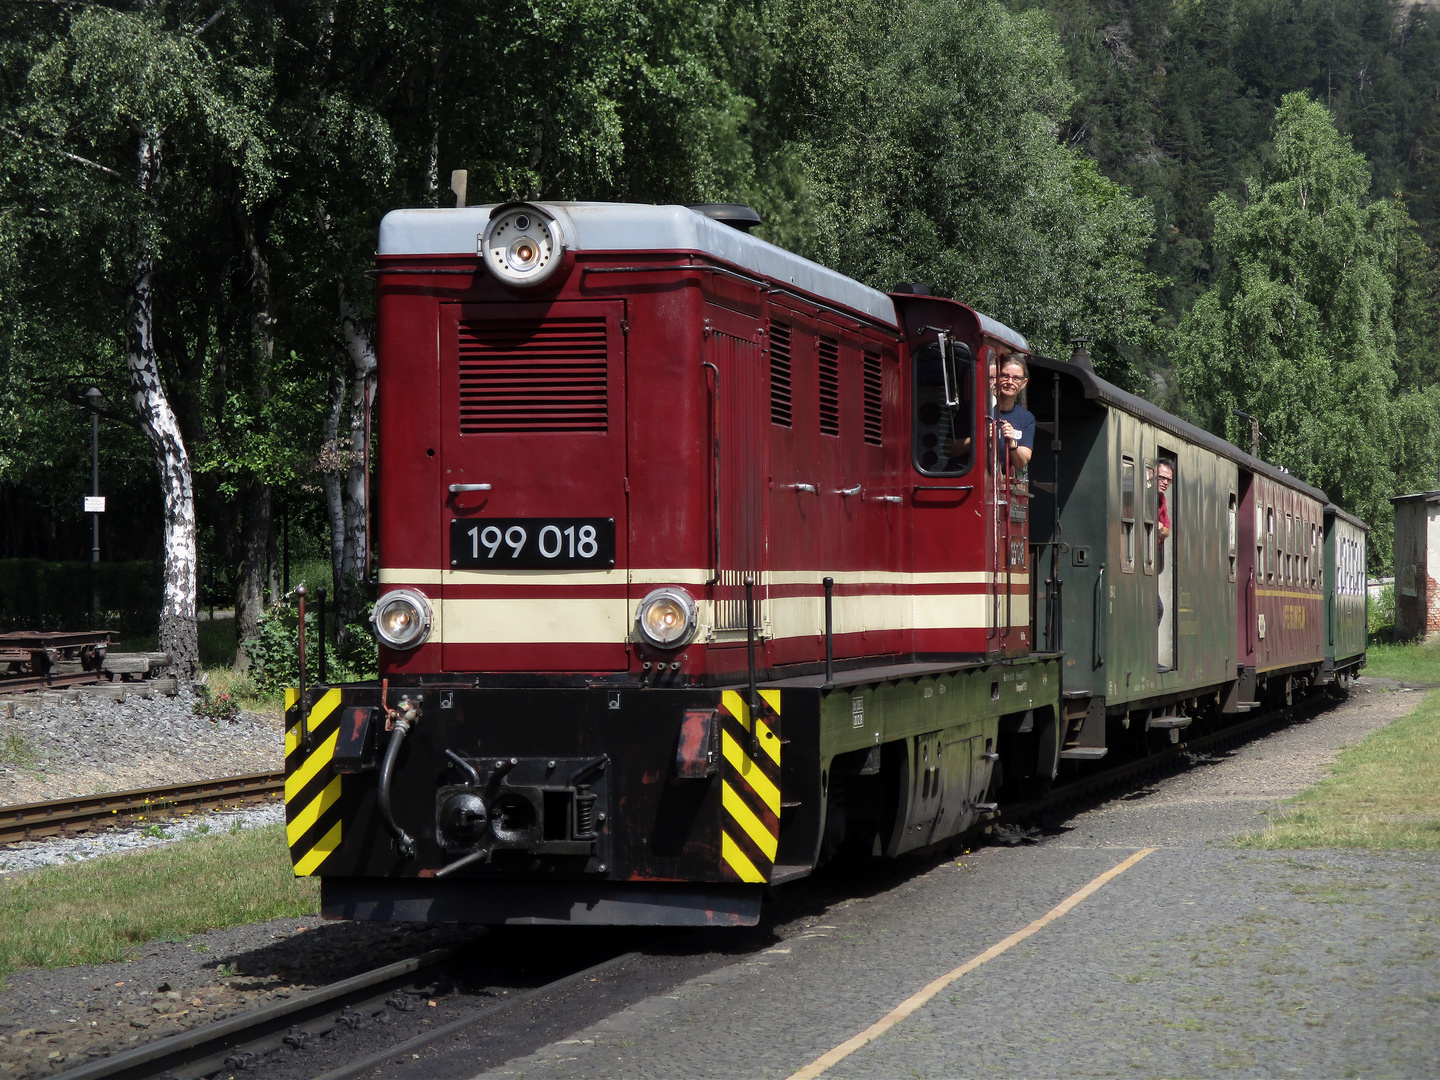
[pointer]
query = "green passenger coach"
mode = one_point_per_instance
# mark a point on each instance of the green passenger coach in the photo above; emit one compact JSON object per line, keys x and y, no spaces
{"x":1345,"y":623}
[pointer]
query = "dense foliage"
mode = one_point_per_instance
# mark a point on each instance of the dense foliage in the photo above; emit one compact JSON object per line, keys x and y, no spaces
{"x":213,"y":175}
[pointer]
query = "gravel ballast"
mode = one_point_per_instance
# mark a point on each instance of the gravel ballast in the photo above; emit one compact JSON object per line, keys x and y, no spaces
{"x":52,"y":749}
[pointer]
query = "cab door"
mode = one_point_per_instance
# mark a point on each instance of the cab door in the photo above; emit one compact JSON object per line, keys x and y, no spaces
{"x":533,"y":486}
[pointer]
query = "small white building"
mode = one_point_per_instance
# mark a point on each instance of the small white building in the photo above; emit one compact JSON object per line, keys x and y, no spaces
{"x":1417,"y":566}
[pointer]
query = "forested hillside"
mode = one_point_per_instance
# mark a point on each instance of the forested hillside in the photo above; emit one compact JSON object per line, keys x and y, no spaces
{"x":189,"y":193}
{"x":1302,"y":279}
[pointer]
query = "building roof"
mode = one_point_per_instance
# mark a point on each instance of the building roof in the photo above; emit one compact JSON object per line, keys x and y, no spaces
{"x":1428,"y":496}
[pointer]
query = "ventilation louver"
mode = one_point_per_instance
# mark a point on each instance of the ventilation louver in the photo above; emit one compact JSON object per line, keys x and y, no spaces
{"x":829,"y":350}
{"x":532,"y":376}
{"x":873,"y":409}
{"x":780,"y":386}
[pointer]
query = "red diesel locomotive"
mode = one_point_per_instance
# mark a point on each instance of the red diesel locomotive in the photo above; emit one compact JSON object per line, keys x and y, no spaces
{"x":698,"y":565}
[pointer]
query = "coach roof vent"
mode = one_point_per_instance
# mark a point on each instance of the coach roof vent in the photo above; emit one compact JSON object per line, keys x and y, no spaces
{"x":736,"y":215}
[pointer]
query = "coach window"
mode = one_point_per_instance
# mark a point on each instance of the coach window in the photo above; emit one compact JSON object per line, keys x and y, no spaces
{"x":1127,"y":514}
{"x":1270,"y":543}
{"x":944,"y":423}
{"x":1234,"y":548}
{"x":1150,"y":517}
{"x":1290,"y":535}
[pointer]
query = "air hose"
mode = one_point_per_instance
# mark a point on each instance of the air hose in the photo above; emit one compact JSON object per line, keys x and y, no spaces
{"x":404,"y":843}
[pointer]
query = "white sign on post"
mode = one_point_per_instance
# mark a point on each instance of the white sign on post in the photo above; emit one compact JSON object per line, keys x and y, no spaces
{"x":94,"y":504}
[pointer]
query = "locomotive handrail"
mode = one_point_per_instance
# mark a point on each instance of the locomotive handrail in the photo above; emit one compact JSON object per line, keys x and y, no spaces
{"x":811,"y":488}
{"x":938,"y":487}
{"x":456,"y":488}
{"x":1098,"y":622}
{"x":883,"y":498}
{"x":847,"y":492}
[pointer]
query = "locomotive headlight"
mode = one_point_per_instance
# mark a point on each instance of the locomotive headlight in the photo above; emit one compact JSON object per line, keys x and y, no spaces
{"x":667,"y":618}
{"x":521,"y":244}
{"x":402,"y":618}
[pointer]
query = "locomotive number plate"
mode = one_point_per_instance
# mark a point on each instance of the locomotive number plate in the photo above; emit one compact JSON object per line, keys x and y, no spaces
{"x":532,"y":543}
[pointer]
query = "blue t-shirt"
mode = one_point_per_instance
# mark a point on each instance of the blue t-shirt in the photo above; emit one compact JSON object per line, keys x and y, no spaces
{"x":1021,"y":419}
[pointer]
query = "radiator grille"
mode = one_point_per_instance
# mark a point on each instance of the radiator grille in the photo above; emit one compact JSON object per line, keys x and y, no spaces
{"x":873,"y":410}
{"x":829,"y":386}
{"x":780,"y":386}
{"x":523,"y":375}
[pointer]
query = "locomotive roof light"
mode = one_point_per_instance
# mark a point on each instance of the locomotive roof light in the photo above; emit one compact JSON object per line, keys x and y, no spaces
{"x":667,"y":618}
{"x":402,"y":618}
{"x":521,"y":244}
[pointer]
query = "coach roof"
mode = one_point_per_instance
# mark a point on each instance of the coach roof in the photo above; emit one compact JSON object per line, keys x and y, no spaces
{"x":638,"y":227}
{"x":1098,"y":390}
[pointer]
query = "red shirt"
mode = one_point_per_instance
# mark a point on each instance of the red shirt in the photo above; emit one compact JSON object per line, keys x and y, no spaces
{"x":1164,"y":513}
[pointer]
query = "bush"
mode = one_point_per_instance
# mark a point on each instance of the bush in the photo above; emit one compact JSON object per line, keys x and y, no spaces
{"x":217,"y":708}
{"x":1380,"y":614}
{"x":275,"y":653}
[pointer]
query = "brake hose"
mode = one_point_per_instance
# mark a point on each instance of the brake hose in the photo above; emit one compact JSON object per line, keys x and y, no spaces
{"x":404,"y":844}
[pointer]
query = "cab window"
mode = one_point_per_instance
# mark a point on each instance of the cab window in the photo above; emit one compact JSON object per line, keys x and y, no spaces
{"x":944,"y":420}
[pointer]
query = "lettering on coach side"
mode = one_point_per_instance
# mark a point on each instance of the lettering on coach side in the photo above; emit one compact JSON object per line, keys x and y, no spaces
{"x":1292,"y":617}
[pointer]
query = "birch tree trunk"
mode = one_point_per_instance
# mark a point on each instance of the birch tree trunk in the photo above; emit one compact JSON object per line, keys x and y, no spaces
{"x":178,"y":632}
{"x":357,"y":491}
{"x":333,"y":464}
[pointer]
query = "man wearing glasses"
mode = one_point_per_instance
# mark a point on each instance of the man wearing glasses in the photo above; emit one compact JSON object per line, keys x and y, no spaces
{"x":1014,"y":422}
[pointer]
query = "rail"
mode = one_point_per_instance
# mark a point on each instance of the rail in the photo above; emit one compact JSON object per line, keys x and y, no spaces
{"x":62,"y":817}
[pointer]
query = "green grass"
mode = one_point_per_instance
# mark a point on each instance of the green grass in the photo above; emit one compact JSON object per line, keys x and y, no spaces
{"x":96,"y":912}
{"x":1381,"y":794}
{"x":1409,"y":663}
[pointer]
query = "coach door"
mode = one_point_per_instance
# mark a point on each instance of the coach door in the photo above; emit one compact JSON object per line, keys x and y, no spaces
{"x":532,"y":417}
{"x":734,"y":360}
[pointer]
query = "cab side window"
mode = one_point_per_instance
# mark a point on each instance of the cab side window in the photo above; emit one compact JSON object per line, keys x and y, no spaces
{"x":944,"y":420}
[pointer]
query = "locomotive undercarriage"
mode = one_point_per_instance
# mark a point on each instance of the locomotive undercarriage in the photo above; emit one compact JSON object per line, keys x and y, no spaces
{"x":642,"y":805}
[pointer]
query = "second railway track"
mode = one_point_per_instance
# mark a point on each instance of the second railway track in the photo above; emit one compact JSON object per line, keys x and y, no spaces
{"x":66,"y":817}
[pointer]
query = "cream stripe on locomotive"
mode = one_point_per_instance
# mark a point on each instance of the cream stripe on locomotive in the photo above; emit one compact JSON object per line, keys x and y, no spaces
{"x":535,"y":620}
{"x":680,"y":576}
{"x":312,"y":794}
{"x":750,"y":788}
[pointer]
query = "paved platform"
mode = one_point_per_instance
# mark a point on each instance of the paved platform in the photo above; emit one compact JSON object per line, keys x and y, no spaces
{"x":1201,"y":959}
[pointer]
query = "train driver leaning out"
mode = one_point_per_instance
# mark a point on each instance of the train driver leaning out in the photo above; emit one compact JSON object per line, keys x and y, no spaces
{"x":1015,"y":423}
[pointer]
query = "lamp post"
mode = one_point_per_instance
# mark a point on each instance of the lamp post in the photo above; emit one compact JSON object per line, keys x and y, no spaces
{"x":93,"y":396}
{"x":1254,"y":431}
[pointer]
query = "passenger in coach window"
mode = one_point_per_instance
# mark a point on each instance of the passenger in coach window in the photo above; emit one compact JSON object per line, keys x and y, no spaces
{"x":1013,"y":422}
{"x":1164,"y":477}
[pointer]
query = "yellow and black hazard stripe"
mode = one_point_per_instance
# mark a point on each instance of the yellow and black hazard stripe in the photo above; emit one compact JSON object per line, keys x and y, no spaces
{"x":750,"y":787}
{"x":312,"y":789}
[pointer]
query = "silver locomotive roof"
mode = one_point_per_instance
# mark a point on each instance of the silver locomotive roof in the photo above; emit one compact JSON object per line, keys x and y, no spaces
{"x":637,"y":227}
{"x":593,"y":226}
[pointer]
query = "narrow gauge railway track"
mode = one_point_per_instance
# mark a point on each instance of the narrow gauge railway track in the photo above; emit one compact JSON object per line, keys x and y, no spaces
{"x":65,"y":817}
{"x":21,"y":684}
{"x":240,"y":1043}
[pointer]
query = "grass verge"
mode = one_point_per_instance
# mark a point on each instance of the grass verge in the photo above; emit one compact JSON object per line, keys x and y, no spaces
{"x":95,"y":912}
{"x":1383,"y":793}
{"x":1410,"y":663}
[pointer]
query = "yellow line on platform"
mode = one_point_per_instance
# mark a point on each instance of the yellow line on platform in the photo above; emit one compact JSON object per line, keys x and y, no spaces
{"x":912,"y":1003}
